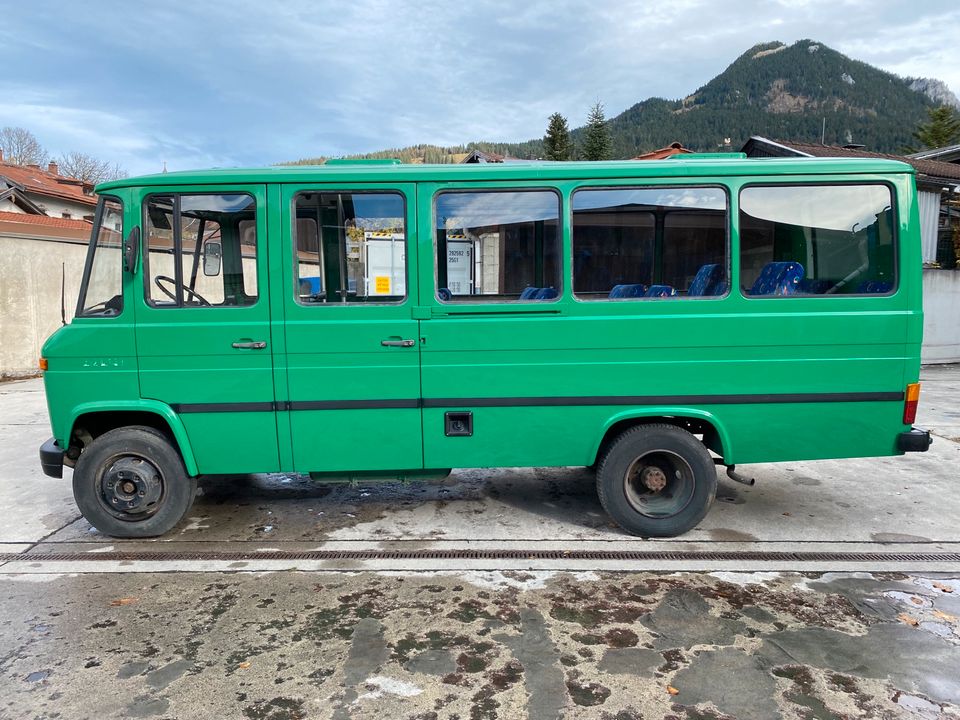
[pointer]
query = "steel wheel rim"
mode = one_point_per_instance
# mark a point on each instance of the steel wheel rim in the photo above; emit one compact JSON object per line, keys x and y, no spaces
{"x":130,"y":487}
{"x":673,"y":498}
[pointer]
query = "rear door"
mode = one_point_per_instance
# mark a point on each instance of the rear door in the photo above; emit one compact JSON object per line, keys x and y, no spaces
{"x":352,"y":344}
{"x":203,"y":321}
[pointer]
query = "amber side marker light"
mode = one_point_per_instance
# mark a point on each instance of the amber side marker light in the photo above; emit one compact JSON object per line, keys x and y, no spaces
{"x":910,"y":405}
{"x":43,"y":364}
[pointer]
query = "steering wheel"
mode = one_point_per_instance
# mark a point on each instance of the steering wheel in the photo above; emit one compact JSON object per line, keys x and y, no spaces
{"x":172,"y":296}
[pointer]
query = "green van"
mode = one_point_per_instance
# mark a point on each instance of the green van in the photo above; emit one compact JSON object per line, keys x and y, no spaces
{"x":367,"y":320}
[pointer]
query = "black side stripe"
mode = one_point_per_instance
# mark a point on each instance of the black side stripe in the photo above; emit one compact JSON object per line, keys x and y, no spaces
{"x":224,"y":407}
{"x":573,"y":401}
{"x":351,"y":404}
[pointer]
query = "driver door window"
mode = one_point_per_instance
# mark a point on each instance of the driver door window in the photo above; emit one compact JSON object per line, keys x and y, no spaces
{"x":201,"y":250}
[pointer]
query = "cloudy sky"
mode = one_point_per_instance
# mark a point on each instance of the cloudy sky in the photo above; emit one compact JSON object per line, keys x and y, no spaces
{"x":235,"y":82}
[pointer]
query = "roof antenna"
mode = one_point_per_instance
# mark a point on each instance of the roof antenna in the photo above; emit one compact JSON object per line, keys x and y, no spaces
{"x":63,"y":293}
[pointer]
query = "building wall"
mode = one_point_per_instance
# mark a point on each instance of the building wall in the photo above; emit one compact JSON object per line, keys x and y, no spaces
{"x":30,"y":294}
{"x":941,"y":316}
{"x":55,"y":207}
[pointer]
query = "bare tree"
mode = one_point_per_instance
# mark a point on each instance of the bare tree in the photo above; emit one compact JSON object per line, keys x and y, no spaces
{"x":88,"y":168}
{"x":21,"y":147}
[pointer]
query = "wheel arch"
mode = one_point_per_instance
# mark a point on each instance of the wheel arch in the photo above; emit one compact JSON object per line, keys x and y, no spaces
{"x":696,"y":421}
{"x":100,"y":416}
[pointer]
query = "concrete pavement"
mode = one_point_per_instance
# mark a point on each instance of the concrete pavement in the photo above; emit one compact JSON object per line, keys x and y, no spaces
{"x":428,"y":639}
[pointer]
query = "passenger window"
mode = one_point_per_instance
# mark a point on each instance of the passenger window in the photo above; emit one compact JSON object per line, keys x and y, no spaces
{"x":816,"y":240}
{"x":497,"y":246}
{"x":201,"y":250}
{"x":649,"y":243}
{"x":351,"y":247}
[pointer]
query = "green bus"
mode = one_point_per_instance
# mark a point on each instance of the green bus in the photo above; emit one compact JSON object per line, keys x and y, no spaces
{"x":366,"y":320}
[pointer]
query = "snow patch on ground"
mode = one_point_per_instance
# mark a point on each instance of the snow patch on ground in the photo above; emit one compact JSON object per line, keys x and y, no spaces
{"x":388,"y":686}
{"x":803,"y":584}
{"x":745,"y":578}
{"x":195,"y":524}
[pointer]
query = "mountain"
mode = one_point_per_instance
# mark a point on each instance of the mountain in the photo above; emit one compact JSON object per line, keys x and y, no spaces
{"x":802,"y":92}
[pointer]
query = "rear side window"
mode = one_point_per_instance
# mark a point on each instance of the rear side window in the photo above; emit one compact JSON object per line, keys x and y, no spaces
{"x":201,"y":250}
{"x":498,"y":246}
{"x":817,"y":240}
{"x":664,"y":242}
{"x":351,"y":247}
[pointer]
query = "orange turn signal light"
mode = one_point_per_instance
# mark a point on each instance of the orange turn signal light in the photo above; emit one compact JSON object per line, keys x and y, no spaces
{"x":43,"y":364}
{"x":912,"y":396}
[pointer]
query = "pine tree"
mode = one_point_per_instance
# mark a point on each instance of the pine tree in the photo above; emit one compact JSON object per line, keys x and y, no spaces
{"x":557,"y":143}
{"x":596,"y":137}
{"x":942,"y":129}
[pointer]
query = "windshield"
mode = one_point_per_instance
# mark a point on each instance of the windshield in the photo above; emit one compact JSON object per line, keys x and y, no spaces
{"x":101,"y":292}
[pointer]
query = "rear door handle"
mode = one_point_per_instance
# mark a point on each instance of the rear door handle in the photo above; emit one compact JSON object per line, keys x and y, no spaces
{"x":250,"y":345}
{"x":398,"y":343}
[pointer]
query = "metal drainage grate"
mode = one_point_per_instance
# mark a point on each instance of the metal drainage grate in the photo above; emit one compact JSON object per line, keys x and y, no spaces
{"x":506,"y":554}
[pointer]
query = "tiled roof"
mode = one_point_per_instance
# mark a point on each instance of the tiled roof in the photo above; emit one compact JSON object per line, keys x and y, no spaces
{"x":671,"y":149}
{"x":41,"y":182}
{"x":44,"y":220}
{"x":932,"y":168}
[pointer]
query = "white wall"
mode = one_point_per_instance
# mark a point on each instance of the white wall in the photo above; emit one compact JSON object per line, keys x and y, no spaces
{"x":941,"y":316}
{"x":30,"y":297}
{"x":55,"y":207}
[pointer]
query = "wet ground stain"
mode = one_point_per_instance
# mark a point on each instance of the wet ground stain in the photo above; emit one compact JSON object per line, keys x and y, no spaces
{"x":617,"y":646}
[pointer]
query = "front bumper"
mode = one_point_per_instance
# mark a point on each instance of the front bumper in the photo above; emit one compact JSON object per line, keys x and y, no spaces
{"x":914,"y":440}
{"x":51,"y":459}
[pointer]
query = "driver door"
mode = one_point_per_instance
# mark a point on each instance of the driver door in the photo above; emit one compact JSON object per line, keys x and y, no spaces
{"x":203,"y":326}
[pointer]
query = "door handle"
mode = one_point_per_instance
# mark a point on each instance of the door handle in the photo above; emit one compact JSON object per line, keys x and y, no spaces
{"x":398,"y":343}
{"x":250,"y":345}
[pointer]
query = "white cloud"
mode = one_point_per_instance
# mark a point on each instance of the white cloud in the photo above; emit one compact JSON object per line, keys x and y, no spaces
{"x":231,"y":82}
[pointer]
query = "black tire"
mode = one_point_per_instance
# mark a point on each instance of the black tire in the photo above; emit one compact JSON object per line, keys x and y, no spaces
{"x":684,"y":465}
{"x":131,"y":483}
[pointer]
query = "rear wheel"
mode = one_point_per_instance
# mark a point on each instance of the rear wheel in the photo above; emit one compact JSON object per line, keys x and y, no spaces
{"x":131,"y":483}
{"x":656,"y":481}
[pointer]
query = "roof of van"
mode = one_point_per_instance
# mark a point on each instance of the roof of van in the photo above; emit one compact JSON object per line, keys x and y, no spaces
{"x":678,"y":166}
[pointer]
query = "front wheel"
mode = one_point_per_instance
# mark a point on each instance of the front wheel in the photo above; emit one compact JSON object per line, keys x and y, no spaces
{"x":131,"y":483}
{"x":656,"y":481}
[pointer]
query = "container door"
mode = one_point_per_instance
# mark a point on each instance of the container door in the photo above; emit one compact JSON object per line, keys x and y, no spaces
{"x":203,"y":321}
{"x":352,"y":345}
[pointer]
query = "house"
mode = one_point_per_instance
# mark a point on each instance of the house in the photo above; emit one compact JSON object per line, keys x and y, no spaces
{"x":30,"y":190}
{"x":479,"y":156}
{"x":938,"y":194}
{"x":950,"y":154}
{"x":670,"y":150}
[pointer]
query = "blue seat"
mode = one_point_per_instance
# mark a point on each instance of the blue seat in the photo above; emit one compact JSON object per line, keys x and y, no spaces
{"x":874,"y":286}
{"x":529,"y":293}
{"x":814,"y":287}
{"x":660,"y":291}
{"x":547,"y":293}
{"x":778,"y":278}
{"x":627,"y":291}
{"x":707,"y":281}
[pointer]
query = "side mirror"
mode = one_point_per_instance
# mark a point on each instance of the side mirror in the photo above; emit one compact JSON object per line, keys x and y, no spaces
{"x":212,"y":252}
{"x":131,"y":249}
